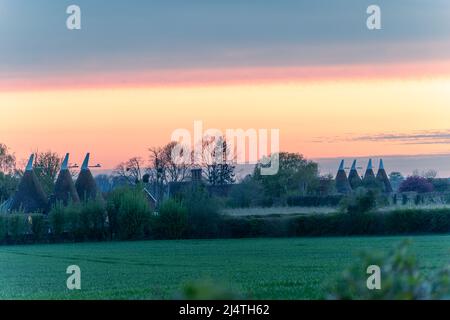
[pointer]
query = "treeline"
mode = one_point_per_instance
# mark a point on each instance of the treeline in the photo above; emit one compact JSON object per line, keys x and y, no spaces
{"x":126,"y":215}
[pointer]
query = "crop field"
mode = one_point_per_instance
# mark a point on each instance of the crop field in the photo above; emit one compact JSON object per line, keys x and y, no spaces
{"x":257,"y":268}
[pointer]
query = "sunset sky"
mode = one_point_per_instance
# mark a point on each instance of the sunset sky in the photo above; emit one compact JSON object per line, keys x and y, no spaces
{"x":139,"y":70}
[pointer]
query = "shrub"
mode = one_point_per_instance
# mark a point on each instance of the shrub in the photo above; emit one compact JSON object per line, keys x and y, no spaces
{"x":416,"y":184}
{"x":92,"y":219}
{"x":401,"y":279}
{"x":18,"y":227}
{"x":172,"y":220}
{"x":38,"y":226}
{"x":246,"y":194}
{"x":57,"y":220}
{"x":203,"y":214}
{"x":129,"y":213}
{"x":361,"y":201}
{"x":3,"y":228}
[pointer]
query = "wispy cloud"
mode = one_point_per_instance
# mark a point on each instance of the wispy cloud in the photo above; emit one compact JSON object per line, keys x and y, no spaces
{"x":424,"y":137}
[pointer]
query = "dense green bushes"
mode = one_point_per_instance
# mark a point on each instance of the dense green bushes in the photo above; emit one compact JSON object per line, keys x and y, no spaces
{"x":129,"y":214}
{"x":410,"y":221}
{"x":172,"y":221}
{"x":20,"y":228}
{"x":78,"y":222}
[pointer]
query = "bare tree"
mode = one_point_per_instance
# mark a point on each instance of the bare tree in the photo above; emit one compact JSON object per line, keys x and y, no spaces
{"x":131,"y":170}
{"x":7,"y":160}
{"x":47,"y":165}
{"x":218,"y":161}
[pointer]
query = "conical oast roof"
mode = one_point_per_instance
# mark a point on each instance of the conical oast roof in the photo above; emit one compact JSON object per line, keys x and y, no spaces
{"x":65,"y":191}
{"x":382,"y":177}
{"x":342,"y":184}
{"x":85,"y":185}
{"x":353,"y":177}
{"x":29,"y":197}
{"x":369,"y":175}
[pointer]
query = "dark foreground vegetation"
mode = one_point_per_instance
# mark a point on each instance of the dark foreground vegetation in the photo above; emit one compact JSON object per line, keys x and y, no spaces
{"x":127,"y":215}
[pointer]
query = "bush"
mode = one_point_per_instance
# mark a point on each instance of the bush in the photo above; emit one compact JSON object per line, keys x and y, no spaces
{"x":57,"y":220}
{"x":361,"y":201}
{"x":172,"y":220}
{"x":18,"y":227}
{"x":38,"y":226}
{"x":78,"y":221}
{"x":129,"y":214}
{"x":246,"y":194}
{"x":3,"y":228}
{"x":401,"y":279}
{"x":92,"y":219}
{"x":416,"y":184}
{"x":203,"y":214}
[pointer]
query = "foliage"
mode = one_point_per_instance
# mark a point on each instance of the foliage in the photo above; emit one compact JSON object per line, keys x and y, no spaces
{"x":39,"y":226}
{"x":246,"y":194}
{"x":361,"y":201}
{"x":401,"y":279}
{"x":172,"y":220}
{"x":416,"y":184}
{"x":203,"y":214}
{"x":57,"y":218}
{"x":18,"y":227}
{"x":47,"y":165}
{"x":129,"y":213}
{"x":131,"y":170}
{"x":295,"y":174}
{"x":7,"y":160}
{"x":79,"y":221}
{"x":8,"y":185}
{"x":218,"y":161}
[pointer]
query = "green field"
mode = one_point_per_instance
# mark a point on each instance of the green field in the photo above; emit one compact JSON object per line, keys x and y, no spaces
{"x":259,"y":268}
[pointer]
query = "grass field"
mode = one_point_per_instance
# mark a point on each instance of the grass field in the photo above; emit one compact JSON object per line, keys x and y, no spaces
{"x":259,"y":268}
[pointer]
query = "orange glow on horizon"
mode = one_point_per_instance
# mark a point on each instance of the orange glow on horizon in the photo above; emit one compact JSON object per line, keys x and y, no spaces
{"x":318,"y":119}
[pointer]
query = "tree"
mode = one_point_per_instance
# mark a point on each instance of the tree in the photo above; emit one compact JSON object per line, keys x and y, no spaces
{"x":7,"y":160}
{"x":8,"y":179}
{"x":416,"y":184}
{"x":131,"y":170}
{"x":8,"y":185}
{"x":428,"y":174}
{"x":218,"y":161}
{"x":295,"y":174}
{"x":47,"y":166}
